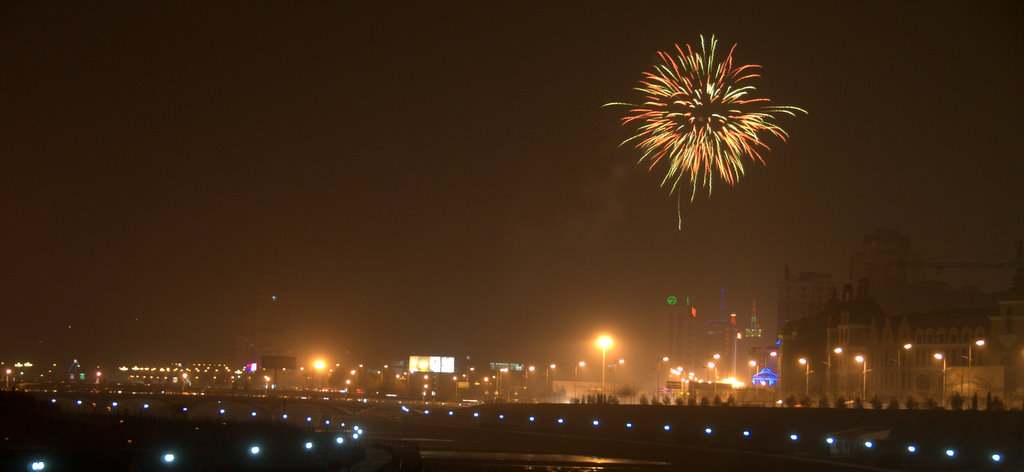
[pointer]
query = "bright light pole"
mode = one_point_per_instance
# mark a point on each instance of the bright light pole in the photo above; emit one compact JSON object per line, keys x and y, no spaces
{"x":657,"y":381}
{"x":753,"y":371}
{"x":547,"y":378}
{"x":807,"y":375}
{"x":938,"y":355}
{"x":711,"y":365}
{"x":899,"y":375}
{"x":576,"y":376}
{"x":838,"y":351}
{"x":970,"y":362}
{"x":864,"y":382}
{"x":604,"y":342}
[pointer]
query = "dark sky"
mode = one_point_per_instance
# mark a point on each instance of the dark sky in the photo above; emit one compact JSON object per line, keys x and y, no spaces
{"x":433,"y":178}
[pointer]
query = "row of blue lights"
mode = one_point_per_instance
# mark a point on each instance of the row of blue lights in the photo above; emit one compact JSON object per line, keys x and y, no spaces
{"x":170,"y":457}
{"x":222,"y":411}
{"x":996,"y":457}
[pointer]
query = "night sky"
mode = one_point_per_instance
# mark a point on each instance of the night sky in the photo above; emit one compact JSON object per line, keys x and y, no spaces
{"x":437,"y":178}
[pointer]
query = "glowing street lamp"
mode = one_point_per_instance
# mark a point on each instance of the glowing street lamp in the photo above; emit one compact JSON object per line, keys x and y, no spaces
{"x":807,"y":375}
{"x":938,"y":355}
{"x":970,"y":361}
{"x":828,"y":368}
{"x":899,"y":376}
{"x":864,"y":382}
{"x":604,"y":342}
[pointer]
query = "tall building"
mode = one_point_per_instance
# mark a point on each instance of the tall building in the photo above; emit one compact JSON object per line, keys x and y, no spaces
{"x":267,"y":332}
{"x":682,"y":332}
{"x":803,"y":295}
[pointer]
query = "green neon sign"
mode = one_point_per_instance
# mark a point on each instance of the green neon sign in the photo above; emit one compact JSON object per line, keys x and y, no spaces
{"x":672,"y":300}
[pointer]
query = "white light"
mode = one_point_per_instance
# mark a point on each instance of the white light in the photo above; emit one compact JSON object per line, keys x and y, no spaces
{"x":252,"y":414}
{"x":254,"y":450}
{"x":145,"y":406}
{"x":596,"y":423}
{"x":451,"y":413}
{"x":950,"y":453}
{"x":560,"y":421}
{"x":339,"y":440}
{"x":531,"y":419}
{"x":114,"y":404}
{"x":184,"y":409}
{"x":868,"y":444}
{"x":355,"y":435}
{"x":38,"y":465}
{"x":996,"y":458}
{"x":222,"y":411}
{"x":309,"y":418}
{"x":284,"y":416}
{"x":501,"y":417}
{"x":405,"y":408}
{"x":666,"y":428}
{"x":168,"y":458}
{"x":746,"y":433}
{"x":793,"y":437}
{"x":79,"y":402}
{"x":830,"y":441}
{"x":426,"y":412}
{"x":707,"y":430}
{"x":308,"y":445}
{"x":476,"y":415}
{"x":629,"y":425}
{"x":911,"y":449}
{"x":53,"y":400}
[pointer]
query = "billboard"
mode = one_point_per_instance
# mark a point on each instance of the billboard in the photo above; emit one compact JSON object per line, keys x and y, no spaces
{"x":278,"y":362}
{"x":444,"y":365}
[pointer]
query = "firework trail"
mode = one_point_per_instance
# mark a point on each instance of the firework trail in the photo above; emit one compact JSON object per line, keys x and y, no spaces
{"x":700,"y":116}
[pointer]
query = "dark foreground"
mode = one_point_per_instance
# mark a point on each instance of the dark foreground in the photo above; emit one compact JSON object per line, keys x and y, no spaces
{"x":505,"y":438}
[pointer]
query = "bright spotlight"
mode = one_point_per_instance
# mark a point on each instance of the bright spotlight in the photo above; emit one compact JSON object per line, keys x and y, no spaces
{"x":793,"y":437}
{"x":829,"y":440}
{"x":308,"y":445}
{"x":221,"y":411}
{"x":667,"y":428}
{"x":476,"y":415}
{"x":950,"y":453}
{"x":252,"y":414}
{"x":339,"y":440}
{"x":38,"y":465}
{"x":911,"y":449}
{"x":560,"y":421}
{"x":168,"y":458}
{"x":707,"y":430}
{"x":869,"y":444}
{"x":451,"y":413}
{"x":532,"y":418}
{"x":145,"y":406}
{"x":501,"y":417}
{"x":629,"y":425}
{"x":746,"y":433}
{"x":996,"y":458}
{"x":255,"y":450}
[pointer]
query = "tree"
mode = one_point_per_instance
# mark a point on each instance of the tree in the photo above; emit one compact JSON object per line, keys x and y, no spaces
{"x":894,"y":404}
{"x":996,"y":404}
{"x":823,"y":402}
{"x":731,"y":401}
{"x":956,"y":402}
{"x":857,"y":403}
{"x":691,"y":400}
{"x":717,"y":401}
{"x":704,"y":401}
{"x":911,"y":404}
{"x":876,"y":403}
{"x":840,"y":402}
{"x":974,"y":401}
{"x":643,"y":399}
{"x":931,"y":403}
{"x":679,"y":401}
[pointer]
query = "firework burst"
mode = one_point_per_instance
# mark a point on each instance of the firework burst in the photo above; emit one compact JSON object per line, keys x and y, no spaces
{"x":699,"y":115}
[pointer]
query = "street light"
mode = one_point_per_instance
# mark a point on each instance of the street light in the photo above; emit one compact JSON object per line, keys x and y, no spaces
{"x":807,"y":375}
{"x":547,"y":378}
{"x":938,"y":355}
{"x":970,"y":361}
{"x":576,"y":376}
{"x":899,"y":376}
{"x":711,"y":365}
{"x":864,"y":381}
{"x":828,"y":381}
{"x":604,"y":342}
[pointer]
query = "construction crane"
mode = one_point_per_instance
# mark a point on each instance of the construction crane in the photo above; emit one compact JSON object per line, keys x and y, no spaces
{"x":1017,"y":263}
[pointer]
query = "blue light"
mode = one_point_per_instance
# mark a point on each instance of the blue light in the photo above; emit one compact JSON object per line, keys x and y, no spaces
{"x":405,"y":408}
{"x":667,"y":428}
{"x":284,"y":416}
{"x":426,"y":412}
{"x":950,"y":453}
{"x":309,"y":419}
{"x":327,"y":422}
{"x":168,"y":458}
{"x":145,"y":406}
{"x":253,"y":414}
{"x":53,"y":400}
{"x":184,"y":409}
{"x":339,"y":440}
{"x":629,"y":425}
{"x":532,"y":418}
{"x":114,"y":404}
{"x":255,"y":450}
{"x":221,"y":411}
{"x":79,"y":402}
{"x":911,"y":449}
{"x":501,"y":417}
{"x":746,"y":433}
{"x":830,"y":441}
{"x":355,"y":435}
{"x":596,"y":423}
{"x":707,"y":430}
{"x":793,"y":437}
{"x":996,"y":457}
{"x":38,"y":465}
{"x":451,"y":413}
{"x":560,"y":421}
{"x":869,"y":444}
{"x":308,"y":445}
{"x":476,"y":415}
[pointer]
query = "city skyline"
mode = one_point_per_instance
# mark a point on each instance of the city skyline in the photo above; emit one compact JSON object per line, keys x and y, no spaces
{"x":447,"y":177}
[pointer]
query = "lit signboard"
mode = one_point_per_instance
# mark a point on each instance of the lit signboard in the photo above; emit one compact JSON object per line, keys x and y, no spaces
{"x":445,"y":365}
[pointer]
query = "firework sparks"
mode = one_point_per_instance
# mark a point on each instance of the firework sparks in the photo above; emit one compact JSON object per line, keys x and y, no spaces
{"x":699,"y":115}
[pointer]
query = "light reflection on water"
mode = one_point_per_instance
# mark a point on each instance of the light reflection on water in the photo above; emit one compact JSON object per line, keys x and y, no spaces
{"x":513,"y":462}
